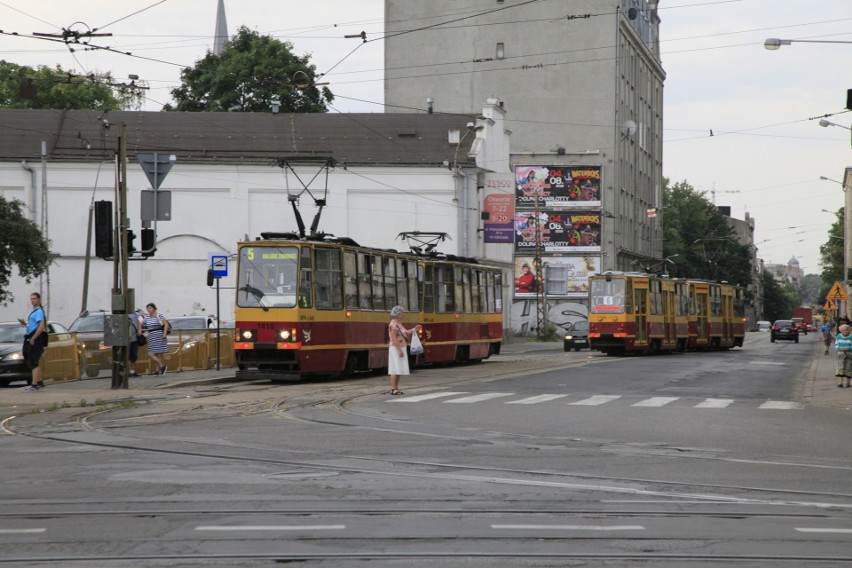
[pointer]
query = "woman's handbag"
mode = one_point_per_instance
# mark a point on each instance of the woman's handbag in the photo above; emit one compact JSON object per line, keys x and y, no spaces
{"x":141,"y":340}
{"x":416,"y":346}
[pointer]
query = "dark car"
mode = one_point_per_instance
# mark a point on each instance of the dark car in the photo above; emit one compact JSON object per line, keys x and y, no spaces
{"x":577,"y":336}
{"x":89,"y":328}
{"x":12,"y":365}
{"x":784,"y":329}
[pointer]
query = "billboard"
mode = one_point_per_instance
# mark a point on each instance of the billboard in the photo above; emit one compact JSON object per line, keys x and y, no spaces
{"x":564,"y":276}
{"x":558,"y":186}
{"x":499,"y":206}
{"x":558,"y":231}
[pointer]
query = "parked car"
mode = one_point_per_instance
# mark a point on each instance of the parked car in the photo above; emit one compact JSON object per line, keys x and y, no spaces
{"x":577,"y":337}
{"x":12,"y":365}
{"x":764,"y":326}
{"x":89,"y":327}
{"x":784,"y":329}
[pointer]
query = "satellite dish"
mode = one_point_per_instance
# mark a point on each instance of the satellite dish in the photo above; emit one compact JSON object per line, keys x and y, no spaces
{"x":628,"y":129}
{"x":632,"y":13}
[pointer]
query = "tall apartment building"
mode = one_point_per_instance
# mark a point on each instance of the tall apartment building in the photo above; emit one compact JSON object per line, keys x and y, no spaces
{"x":582,"y":85}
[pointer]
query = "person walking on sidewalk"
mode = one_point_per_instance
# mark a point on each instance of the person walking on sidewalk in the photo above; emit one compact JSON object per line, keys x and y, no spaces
{"x":826,"y":336}
{"x":35,"y":340}
{"x":158,"y":329}
{"x":843,"y":346}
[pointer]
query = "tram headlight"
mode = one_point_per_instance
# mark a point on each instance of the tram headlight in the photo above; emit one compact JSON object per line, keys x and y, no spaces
{"x":248,"y":334}
{"x":284,"y":334}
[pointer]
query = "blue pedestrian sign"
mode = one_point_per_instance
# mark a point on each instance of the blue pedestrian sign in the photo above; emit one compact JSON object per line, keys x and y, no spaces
{"x":219,"y":264}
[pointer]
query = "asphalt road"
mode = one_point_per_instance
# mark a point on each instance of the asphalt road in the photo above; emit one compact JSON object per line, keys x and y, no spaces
{"x":537,"y":458}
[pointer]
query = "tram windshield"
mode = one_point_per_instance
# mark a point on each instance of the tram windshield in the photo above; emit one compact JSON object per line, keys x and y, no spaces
{"x":268,"y":277}
{"x":607,"y":296}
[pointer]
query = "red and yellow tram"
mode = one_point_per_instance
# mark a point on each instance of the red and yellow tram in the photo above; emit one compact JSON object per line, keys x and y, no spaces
{"x":320,"y":306}
{"x":645,"y":313}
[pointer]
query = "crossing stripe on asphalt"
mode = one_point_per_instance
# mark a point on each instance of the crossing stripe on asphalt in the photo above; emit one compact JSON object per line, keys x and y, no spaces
{"x":570,"y":527}
{"x":429,"y":396}
{"x":656,"y":401}
{"x":825,"y":530}
{"x":715,"y":403}
{"x":596,"y":400}
{"x":537,"y":399}
{"x":780,"y":405}
{"x":271,"y":528}
{"x":21,"y":531}
{"x":478,"y":397}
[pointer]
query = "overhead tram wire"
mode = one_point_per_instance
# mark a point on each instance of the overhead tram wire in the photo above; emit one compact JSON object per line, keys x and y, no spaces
{"x":133,"y":14}
{"x":30,"y":15}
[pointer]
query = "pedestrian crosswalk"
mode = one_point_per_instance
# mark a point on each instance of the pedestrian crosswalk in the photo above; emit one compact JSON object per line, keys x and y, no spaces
{"x":461,"y":397}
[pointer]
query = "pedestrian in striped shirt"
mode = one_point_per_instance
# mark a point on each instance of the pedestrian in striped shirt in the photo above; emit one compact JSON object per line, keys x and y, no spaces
{"x":843,"y":346}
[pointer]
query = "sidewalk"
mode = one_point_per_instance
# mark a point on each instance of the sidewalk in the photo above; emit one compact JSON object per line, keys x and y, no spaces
{"x":820,"y":386}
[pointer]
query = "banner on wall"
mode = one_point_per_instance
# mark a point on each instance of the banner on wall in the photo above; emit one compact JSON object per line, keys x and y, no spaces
{"x":564,"y":276}
{"x":559,"y":231}
{"x":558,"y":186}
{"x":499,"y":208}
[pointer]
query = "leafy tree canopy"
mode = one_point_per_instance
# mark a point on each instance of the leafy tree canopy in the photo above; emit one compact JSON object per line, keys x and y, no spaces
{"x":699,"y":240}
{"x":54,"y":87}
{"x":21,"y":244}
{"x":778,"y":301}
{"x":251,"y":71}
{"x":831,"y":256}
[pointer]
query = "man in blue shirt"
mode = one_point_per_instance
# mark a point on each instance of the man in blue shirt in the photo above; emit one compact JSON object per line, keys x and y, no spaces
{"x":826,"y":335}
{"x":35,"y":340}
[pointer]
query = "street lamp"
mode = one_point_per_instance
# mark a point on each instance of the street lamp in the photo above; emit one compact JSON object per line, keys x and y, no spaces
{"x":843,"y":187}
{"x":826,"y":123}
{"x":775,"y":43}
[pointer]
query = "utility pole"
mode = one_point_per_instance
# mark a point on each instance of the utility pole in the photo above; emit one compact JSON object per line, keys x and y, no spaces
{"x":117,"y":331}
{"x":541,"y":307}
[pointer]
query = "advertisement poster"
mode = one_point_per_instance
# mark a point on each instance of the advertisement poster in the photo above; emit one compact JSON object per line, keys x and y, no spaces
{"x":558,"y":231}
{"x":558,"y":186}
{"x":499,"y":225}
{"x":564,"y":276}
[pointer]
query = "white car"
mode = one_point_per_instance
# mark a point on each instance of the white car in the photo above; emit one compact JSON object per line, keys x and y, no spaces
{"x":764,"y":326}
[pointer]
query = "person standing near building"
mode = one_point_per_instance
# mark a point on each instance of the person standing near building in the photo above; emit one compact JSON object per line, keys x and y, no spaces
{"x":35,"y":341}
{"x":158,"y":328}
{"x":843,"y":346}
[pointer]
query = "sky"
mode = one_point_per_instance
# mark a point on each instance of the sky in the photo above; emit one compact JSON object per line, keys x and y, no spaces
{"x":739,"y":120}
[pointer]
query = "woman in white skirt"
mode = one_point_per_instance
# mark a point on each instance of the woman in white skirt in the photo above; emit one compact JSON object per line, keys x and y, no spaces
{"x":397,"y":355}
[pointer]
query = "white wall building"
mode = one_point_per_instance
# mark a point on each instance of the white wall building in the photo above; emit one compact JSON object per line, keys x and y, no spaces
{"x":392,"y":173}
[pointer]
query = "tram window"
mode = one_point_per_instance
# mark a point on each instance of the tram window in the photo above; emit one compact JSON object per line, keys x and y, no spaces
{"x":476,"y":291}
{"x":350,"y":279}
{"x":378,"y":284}
{"x":427,"y":276}
{"x":489,"y":292}
{"x":498,"y":292}
{"x":389,"y":272}
{"x":401,"y":285}
{"x":305,"y":279}
{"x":365,"y":292}
{"x":268,"y":276}
{"x":608,"y":296}
{"x":329,"y":279}
{"x":411,"y":276}
{"x":458,"y":278}
{"x":466,"y":284}
{"x":446,"y":289}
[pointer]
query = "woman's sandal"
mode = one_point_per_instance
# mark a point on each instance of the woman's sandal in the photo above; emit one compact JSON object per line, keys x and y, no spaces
{"x":396,"y":392}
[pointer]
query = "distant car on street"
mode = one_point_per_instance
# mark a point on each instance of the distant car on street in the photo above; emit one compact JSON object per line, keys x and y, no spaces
{"x":577,"y":337}
{"x":764,"y":326}
{"x":784,"y":329}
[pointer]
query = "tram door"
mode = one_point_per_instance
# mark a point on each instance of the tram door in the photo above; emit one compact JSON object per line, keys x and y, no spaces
{"x":702,"y":310}
{"x":669,"y":316}
{"x":727,"y":318}
{"x":640,"y":296}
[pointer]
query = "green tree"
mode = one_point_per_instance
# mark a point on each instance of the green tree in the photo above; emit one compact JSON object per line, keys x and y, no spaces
{"x":21,"y":245}
{"x":809,"y":288}
{"x":55,"y":88}
{"x":699,"y":239}
{"x":778,"y":301}
{"x":831,"y":256}
{"x":251,"y":71}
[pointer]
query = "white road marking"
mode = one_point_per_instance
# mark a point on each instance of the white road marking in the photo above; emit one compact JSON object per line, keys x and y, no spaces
{"x":537,"y":399}
{"x":827,"y":530}
{"x":421,"y":397}
{"x":478,"y":397}
{"x":656,"y":401}
{"x":21,"y":531}
{"x":569,"y":527}
{"x":271,"y":528}
{"x":775,"y":363}
{"x":596,"y":400}
{"x":715,"y":403}
{"x":780,"y":405}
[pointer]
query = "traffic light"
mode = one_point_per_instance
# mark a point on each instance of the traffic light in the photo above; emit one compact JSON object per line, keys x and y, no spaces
{"x":148,"y":243}
{"x":131,"y":236}
{"x":103,"y":229}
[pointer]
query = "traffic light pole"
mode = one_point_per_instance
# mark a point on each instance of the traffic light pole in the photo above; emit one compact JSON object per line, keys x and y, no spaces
{"x":120,"y":292}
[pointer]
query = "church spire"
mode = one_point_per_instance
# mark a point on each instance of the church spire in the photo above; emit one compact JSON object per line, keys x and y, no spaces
{"x":221,"y":34}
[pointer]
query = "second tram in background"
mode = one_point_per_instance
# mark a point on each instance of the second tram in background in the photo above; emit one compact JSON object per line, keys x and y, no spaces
{"x":644,"y":313}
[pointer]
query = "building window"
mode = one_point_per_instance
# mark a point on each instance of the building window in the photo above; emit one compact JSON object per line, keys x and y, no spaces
{"x":501,"y":52}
